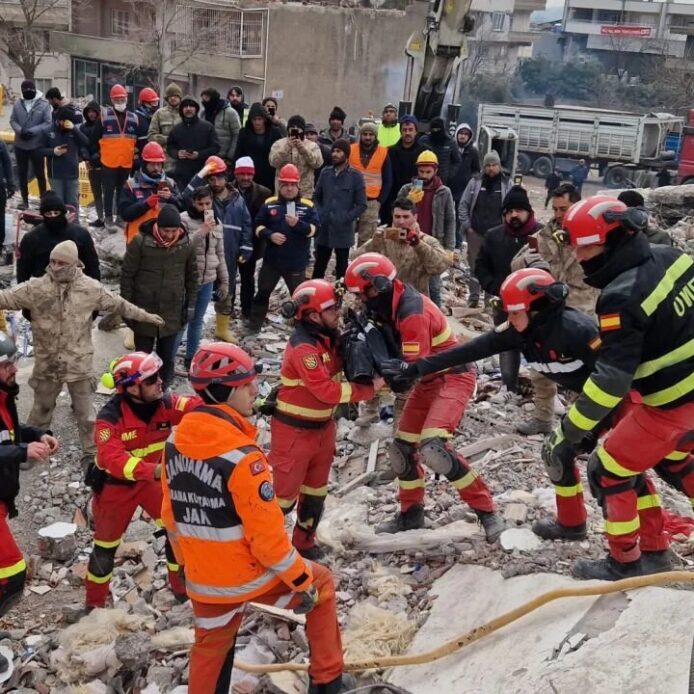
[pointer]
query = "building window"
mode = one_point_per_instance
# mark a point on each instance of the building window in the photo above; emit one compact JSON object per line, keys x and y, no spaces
{"x":498,"y":20}
{"x":120,"y":22}
{"x":582,"y":14}
{"x":43,"y":85}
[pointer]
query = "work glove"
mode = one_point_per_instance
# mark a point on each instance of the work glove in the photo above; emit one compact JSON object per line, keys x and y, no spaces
{"x":152,"y":200}
{"x":309,"y":599}
{"x":397,"y":367}
{"x":496,"y":304}
{"x":415,"y":195}
{"x":558,"y":453}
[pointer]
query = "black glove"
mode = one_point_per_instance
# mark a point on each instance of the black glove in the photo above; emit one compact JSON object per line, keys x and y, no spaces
{"x":397,"y":367}
{"x":399,"y":384}
{"x":309,"y":599}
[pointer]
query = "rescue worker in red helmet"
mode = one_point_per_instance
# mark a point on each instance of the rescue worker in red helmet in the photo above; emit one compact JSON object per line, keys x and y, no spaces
{"x":143,"y":194}
{"x":219,"y":501}
{"x":645,"y":362}
{"x":557,"y":341}
{"x":130,"y":432}
{"x":148,"y":103}
{"x":434,"y":406}
{"x":286,"y":222}
{"x":303,"y":428}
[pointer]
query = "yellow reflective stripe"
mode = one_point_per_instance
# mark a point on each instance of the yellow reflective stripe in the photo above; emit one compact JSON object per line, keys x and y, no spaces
{"x":129,"y":468}
{"x":580,"y":421}
{"x":406,"y":436}
{"x":465,"y":481}
{"x":303,"y":411}
{"x":345,"y":392}
{"x":441,"y":337}
{"x":665,"y":286}
{"x":152,"y":448}
{"x":99,"y":579}
{"x":598,"y":395}
{"x":648,"y":501}
{"x":411,"y":484}
{"x":286,"y":503}
{"x":682,"y":353}
{"x":436,"y":433}
{"x":568,"y":492}
{"x":172,"y":567}
{"x":107,"y":544}
{"x":17,"y":568}
{"x":291,"y":381}
{"x":677,"y":455}
{"x":311,"y":230}
{"x":181,"y":404}
{"x":611,"y":465}
{"x":259,"y":229}
{"x":663,"y":397}
{"x":159,"y":522}
{"x":314,"y":491}
{"x":622,"y":527}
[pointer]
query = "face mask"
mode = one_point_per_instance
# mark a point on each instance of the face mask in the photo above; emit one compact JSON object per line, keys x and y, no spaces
{"x":591,"y":266}
{"x":64,"y":275}
{"x":29,"y":94}
{"x":119,"y":107}
{"x":55,"y":223}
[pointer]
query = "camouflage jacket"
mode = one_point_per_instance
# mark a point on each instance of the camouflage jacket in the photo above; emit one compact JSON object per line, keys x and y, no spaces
{"x":161,"y":125}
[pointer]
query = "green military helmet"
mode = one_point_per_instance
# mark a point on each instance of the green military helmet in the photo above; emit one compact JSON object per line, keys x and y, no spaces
{"x":8,"y":349}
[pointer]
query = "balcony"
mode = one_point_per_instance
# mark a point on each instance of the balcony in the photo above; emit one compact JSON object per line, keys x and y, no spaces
{"x":99,"y":48}
{"x":56,"y":15}
{"x":529,"y":5}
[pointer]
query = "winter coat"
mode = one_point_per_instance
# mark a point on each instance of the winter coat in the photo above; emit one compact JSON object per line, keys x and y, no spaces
{"x":88,"y":129}
{"x":340,"y":200}
{"x":469,"y":163}
{"x":325,"y":138}
{"x":258,"y":147}
{"x":161,"y":280}
{"x":194,"y":135}
{"x":238,"y":234}
{"x":227,"y":126}
{"x":209,"y":250}
{"x":255,"y":196}
{"x":579,"y":174}
{"x":552,"y":181}
{"x":447,"y":153}
{"x":307,"y":161}
{"x":415,"y":264}
{"x":403,"y":163}
{"x":62,"y":322}
{"x":6,"y":178}
{"x":31,"y":123}
{"x":443,"y":215}
{"x":469,"y":200}
{"x":65,"y":166}
{"x":144,"y":120}
{"x":160,"y":127}
{"x":36,"y":246}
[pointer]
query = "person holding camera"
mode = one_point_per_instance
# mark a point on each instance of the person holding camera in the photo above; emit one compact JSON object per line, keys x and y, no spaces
{"x":296,"y":149}
{"x":270,"y":105}
{"x":302,"y":425}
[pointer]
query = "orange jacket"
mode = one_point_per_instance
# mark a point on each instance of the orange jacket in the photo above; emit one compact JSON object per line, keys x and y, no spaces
{"x":117,"y":146}
{"x":373,"y":173}
{"x":310,"y":379}
{"x":220,"y":511}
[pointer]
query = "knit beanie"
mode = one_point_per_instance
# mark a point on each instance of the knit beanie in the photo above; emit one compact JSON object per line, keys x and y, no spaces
{"x":516,"y":199}
{"x":51,"y":201}
{"x":409,"y":118}
{"x":169,"y":216}
{"x":342,"y":145}
{"x":173,"y":90}
{"x":65,"y":113}
{"x":390,"y":106}
{"x":244,"y":165}
{"x":337,"y":114}
{"x":368,"y":127}
{"x":491,"y":158}
{"x":437,"y":125}
{"x":311,"y":128}
{"x":631,"y":198}
{"x":66,"y":251}
{"x":28,"y":84}
{"x":297,"y":122}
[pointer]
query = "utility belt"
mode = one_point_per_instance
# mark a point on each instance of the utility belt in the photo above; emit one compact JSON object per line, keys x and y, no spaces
{"x":96,"y":478}
{"x":299,"y":423}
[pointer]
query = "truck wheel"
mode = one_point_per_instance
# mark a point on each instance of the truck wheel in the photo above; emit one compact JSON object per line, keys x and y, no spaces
{"x":524,"y":163}
{"x":687,"y":182}
{"x":616,"y":177}
{"x":543,"y":167}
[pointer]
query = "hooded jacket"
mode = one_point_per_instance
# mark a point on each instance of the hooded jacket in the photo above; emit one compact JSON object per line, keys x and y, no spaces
{"x":469,"y":163}
{"x":65,"y":166}
{"x":466,"y":209}
{"x":88,"y":129}
{"x":442,"y":213}
{"x":258,"y":147}
{"x":29,"y":124}
{"x":226,"y":121}
{"x":160,"y":280}
{"x":209,"y":250}
{"x":445,"y":150}
{"x":237,"y":226}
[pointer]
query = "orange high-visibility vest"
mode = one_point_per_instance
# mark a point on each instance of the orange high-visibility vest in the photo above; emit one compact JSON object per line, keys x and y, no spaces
{"x":372,"y":173}
{"x":117,"y":146}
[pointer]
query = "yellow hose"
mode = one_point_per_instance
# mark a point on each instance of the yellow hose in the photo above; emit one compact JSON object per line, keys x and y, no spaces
{"x":490,"y":627}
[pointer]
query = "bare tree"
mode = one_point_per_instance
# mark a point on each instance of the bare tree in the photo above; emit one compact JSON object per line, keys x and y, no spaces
{"x":483,"y":51}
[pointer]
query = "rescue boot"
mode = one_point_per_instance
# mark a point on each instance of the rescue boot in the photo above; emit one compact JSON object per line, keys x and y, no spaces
{"x":314,"y":553}
{"x":343,"y":683}
{"x":534,"y":426}
{"x":552,"y":529}
{"x":412,"y":519}
{"x":222,"y":331}
{"x":656,"y":562}
{"x":492,"y":523}
{"x":607,"y":569}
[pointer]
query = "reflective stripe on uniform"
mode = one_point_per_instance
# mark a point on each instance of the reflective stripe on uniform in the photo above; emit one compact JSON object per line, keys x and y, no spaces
{"x":303,"y":411}
{"x":598,"y":395}
{"x":411,"y":484}
{"x":556,"y":367}
{"x":292,"y":382}
{"x":286,"y":503}
{"x":622,"y":527}
{"x":435,"y":433}
{"x":152,"y":448}
{"x":682,"y":353}
{"x":284,"y":600}
{"x":107,"y":544}
{"x":261,"y":581}
{"x":283,"y":564}
{"x":99,"y":579}
{"x":611,"y":465}
{"x":648,"y":501}
{"x":220,"y":621}
{"x":465,"y":481}
{"x":200,"y":532}
{"x":159,"y":522}
{"x":568,"y":492}
{"x":172,"y":567}
{"x":666,"y":284}
{"x":663,"y":397}
{"x":345,"y":392}
{"x":406,"y":436}
{"x":314,"y":491}
{"x":677,"y":455}
{"x":16,"y":568}
{"x":441,"y":337}
{"x":129,"y":467}
{"x":580,"y":421}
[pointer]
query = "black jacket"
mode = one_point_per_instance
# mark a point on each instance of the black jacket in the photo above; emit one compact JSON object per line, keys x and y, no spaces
{"x":132,"y":198}
{"x":499,"y":247}
{"x":89,"y":130}
{"x":65,"y":166}
{"x":561,"y":343}
{"x":447,"y":153}
{"x":36,"y":246}
{"x":403,"y":164}
{"x":6,"y":176}
{"x":257,"y":147}
{"x":468,"y":167}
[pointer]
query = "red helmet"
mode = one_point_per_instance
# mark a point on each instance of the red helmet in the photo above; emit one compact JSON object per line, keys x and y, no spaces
{"x":217,"y":163}
{"x":522,"y":287}
{"x":118,"y":91}
{"x":313,"y":295}
{"x":153,"y":151}
{"x":587,"y":223}
{"x":289,"y":174}
{"x":148,"y":96}
{"x":362,"y":272}
{"x":131,"y":369}
{"x":221,"y":363}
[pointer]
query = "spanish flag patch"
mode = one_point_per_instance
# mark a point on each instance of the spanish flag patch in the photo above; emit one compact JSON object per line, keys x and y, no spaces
{"x":610,"y":321}
{"x":595,"y":344}
{"x":410,"y":347}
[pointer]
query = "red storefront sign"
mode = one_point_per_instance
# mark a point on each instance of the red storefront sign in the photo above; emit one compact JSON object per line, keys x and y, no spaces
{"x":623,"y":30}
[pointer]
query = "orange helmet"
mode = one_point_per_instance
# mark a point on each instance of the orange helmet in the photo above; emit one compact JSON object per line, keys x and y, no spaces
{"x":289,"y":174}
{"x":217,"y":163}
{"x":153,"y":152}
{"x":131,"y":369}
{"x":313,"y":295}
{"x":148,"y":96}
{"x":221,"y":363}
{"x":369,"y":270}
{"x":522,"y":287}
{"x":118,"y":91}
{"x":589,"y":221}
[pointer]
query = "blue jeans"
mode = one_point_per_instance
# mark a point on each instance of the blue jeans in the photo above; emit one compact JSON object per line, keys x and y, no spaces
{"x":435,"y":289}
{"x":195,"y":325}
{"x":68,"y":189}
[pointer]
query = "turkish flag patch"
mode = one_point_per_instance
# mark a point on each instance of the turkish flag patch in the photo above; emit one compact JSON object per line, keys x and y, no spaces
{"x":257,"y":466}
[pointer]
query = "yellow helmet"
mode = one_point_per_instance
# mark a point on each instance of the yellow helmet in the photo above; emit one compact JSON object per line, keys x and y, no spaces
{"x":428,"y":157}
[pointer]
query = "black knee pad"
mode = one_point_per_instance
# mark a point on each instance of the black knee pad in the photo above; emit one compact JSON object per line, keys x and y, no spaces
{"x":11,"y":591}
{"x":672,"y":477}
{"x":595,"y":470}
{"x":310,"y":512}
{"x":402,"y":456}
{"x":101,"y":561}
{"x":439,"y":456}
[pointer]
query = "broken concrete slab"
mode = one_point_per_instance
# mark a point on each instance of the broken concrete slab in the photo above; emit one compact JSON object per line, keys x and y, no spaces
{"x":57,"y":541}
{"x":518,"y":657}
{"x":521,"y":539}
